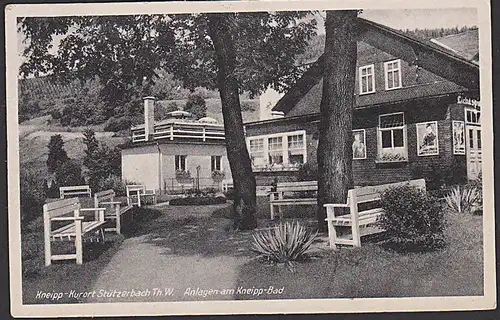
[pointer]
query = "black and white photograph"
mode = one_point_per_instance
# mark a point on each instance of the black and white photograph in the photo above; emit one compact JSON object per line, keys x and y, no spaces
{"x":458,"y":137}
{"x":249,"y":157}
{"x":359,"y":144}
{"x":427,"y":138}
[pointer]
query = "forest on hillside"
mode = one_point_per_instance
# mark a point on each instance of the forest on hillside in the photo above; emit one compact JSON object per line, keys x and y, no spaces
{"x":316,"y":45}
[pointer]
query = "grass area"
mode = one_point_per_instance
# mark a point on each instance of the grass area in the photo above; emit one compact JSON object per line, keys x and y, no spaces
{"x":375,"y":271}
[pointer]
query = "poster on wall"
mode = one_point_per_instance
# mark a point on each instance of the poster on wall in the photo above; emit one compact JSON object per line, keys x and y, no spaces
{"x":359,"y":144}
{"x":458,"y":137}
{"x":427,"y":139}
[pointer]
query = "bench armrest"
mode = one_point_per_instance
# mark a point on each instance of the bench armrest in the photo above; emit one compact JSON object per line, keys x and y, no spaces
{"x":110,"y":202}
{"x":66,"y":218}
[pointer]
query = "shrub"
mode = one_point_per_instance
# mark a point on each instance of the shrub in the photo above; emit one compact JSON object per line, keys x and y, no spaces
{"x":114,"y":182}
{"x":437,"y":177}
{"x":196,"y":105}
{"x":287,"y":242}
{"x":412,"y":218}
{"x":308,"y":172}
{"x":33,"y":192}
{"x":118,"y":124}
{"x":197,"y":201}
{"x":69,"y":173}
{"x":465,"y":199}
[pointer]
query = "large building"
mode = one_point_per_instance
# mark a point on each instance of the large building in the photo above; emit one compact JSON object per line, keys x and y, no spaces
{"x":177,"y":153}
{"x":417,"y":112}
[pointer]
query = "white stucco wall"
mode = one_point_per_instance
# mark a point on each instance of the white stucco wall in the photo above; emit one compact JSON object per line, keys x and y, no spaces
{"x":141,"y":164}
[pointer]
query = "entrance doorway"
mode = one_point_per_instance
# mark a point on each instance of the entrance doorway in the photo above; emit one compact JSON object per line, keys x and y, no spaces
{"x":473,"y":143}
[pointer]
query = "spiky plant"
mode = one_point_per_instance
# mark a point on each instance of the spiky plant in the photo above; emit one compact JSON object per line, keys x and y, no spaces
{"x":464,"y":199}
{"x":287,"y":242}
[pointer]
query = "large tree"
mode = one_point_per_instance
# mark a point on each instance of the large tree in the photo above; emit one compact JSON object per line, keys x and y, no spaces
{"x":233,"y":52}
{"x":334,"y":148}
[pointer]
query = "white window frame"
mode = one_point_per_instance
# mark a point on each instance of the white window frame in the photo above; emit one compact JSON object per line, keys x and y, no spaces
{"x":372,"y":74}
{"x":475,"y":112}
{"x":386,"y":73}
{"x":185,"y":162}
{"x":419,"y":153}
{"x":212,"y":162}
{"x":260,"y":151}
{"x":364,"y":141}
{"x":393,"y":150}
{"x":284,"y":148}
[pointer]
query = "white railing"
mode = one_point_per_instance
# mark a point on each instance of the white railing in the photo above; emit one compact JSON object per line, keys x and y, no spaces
{"x":173,"y":131}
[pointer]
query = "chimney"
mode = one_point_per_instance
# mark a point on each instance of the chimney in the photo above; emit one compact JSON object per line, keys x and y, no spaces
{"x":149,"y":117}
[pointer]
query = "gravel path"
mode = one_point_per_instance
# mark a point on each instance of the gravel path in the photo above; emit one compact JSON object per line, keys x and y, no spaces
{"x":165,"y":264}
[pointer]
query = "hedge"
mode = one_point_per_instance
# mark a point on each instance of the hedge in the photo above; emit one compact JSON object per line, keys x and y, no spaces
{"x":197,"y":201}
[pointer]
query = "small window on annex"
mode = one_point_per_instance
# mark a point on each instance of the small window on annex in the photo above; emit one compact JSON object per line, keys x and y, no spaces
{"x":392,"y":144}
{"x":216,"y":163}
{"x":275,"y":150}
{"x":278,"y":151}
{"x":257,"y":152}
{"x":296,"y":149}
{"x":180,"y":163}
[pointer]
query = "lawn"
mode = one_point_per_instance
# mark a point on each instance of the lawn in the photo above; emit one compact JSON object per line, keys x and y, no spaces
{"x":184,"y":232}
{"x":374,"y":271}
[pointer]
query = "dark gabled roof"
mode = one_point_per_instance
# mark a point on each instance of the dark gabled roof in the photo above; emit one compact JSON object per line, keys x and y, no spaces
{"x":309,"y":104}
{"x":430,"y":56}
{"x":464,"y":44}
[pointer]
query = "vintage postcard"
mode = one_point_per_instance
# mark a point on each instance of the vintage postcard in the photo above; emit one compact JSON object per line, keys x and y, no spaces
{"x":261,"y":157}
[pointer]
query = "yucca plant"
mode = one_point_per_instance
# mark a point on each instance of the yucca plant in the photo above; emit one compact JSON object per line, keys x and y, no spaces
{"x":464,"y":199}
{"x":287,"y":242}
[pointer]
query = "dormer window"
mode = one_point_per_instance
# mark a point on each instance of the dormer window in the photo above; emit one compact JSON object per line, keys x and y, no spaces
{"x":392,"y":74}
{"x":366,"y":79}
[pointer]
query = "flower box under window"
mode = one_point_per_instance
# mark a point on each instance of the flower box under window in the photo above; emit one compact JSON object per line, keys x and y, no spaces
{"x":392,"y":142}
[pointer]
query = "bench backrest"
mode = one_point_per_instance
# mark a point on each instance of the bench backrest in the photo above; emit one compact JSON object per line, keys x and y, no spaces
{"x":75,"y":191}
{"x":373,"y":193}
{"x":297,"y":186}
{"x":135,"y":188}
{"x":61,"y":207}
{"x":107,"y":195}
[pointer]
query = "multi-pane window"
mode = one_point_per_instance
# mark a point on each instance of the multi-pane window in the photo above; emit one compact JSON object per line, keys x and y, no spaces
{"x":216,"y":163}
{"x":296,"y":149}
{"x":280,"y":151}
{"x":472,"y":116}
{"x":392,"y":74}
{"x":392,"y":138}
{"x":275,"y":150}
{"x":257,"y":151}
{"x":366,"y":79}
{"x":180,"y":162}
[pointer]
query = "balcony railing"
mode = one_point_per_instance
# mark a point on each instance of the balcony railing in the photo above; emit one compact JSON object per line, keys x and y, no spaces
{"x":180,"y":131}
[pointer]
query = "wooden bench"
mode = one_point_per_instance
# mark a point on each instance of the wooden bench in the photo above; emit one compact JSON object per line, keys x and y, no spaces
{"x":360,"y":218}
{"x":114,"y":210}
{"x":70,"y":227}
{"x":135,"y":194}
{"x":227,"y":184}
{"x":279,"y":198}
{"x":73,"y":191}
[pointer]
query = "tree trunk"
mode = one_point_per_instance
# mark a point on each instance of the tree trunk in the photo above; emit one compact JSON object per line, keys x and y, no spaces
{"x":237,"y":153}
{"x":335,"y":139}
